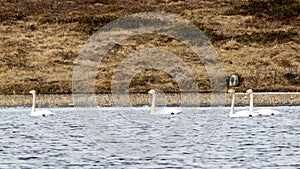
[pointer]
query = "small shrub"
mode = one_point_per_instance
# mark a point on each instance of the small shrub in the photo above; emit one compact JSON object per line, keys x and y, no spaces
{"x":33,"y":27}
{"x":293,"y":78}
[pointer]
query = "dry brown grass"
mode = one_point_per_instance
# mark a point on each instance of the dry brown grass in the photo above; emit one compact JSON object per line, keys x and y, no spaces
{"x":140,"y":99}
{"x":40,"y":42}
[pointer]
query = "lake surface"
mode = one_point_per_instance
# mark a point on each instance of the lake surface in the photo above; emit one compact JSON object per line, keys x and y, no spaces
{"x":131,"y":138}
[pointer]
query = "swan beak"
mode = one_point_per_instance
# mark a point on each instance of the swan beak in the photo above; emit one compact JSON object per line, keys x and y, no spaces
{"x":31,"y":91}
{"x":230,"y":91}
{"x":248,"y":91}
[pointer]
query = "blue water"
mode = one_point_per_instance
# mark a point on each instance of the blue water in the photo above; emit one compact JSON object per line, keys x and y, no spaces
{"x":127,"y":138}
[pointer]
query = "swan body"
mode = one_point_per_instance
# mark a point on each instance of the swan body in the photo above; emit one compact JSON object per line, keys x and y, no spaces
{"x":165,"y":110}
{"x":268,"y":112}
{"x":42,"y":113}
{"x":38,"y":112}
{"x":242,"y":113}
{"x":262,"y":112}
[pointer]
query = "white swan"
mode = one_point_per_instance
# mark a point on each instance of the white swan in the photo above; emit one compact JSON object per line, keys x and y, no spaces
{"x":243,"y":113}
{"x":263,"y":112}
{"x":165,"y":110}
{"x":39,"y":112}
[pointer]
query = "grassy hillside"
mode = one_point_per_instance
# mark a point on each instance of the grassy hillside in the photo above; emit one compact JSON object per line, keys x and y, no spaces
{"x":41,"y":39}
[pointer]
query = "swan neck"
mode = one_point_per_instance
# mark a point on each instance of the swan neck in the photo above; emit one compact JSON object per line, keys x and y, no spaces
{"x":153,"y":103}
{"x":232,"y":104}
{"x":33,"y":102}
{"x":251,"y":103}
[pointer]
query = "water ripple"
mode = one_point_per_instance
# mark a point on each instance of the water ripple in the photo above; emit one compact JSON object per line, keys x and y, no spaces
{"x":62,"y":141}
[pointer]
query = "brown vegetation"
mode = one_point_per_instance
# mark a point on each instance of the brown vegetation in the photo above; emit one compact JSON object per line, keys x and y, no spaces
{"x":41,"y":39}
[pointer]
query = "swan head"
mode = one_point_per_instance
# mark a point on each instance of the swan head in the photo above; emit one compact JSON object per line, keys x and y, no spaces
{"x":249,"y":91}
{"x":231,"y":91}
{"x":32,"y":92}
{"x":151,"y":91}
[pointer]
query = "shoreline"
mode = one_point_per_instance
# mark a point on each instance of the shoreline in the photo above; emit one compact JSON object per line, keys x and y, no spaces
{"x":138,"y":100}
{"x":186,"y":106}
